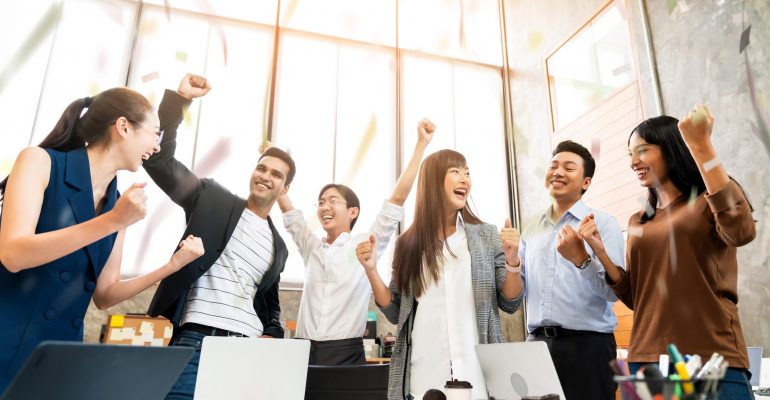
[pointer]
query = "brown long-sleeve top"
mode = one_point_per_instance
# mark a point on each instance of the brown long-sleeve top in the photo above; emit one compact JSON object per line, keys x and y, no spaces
{"x":681,"y":277}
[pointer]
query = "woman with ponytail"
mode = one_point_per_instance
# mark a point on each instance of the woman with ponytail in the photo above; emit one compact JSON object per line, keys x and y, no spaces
{"x":451,"y":273}
{"x":62,"y":223}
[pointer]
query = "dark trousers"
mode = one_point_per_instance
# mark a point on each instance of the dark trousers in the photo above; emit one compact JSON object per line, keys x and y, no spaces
{"x":337,"y":352}
{"x":582,"y":361}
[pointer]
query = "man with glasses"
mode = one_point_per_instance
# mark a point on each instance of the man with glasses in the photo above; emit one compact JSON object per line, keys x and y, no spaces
{"x":335,"y":299}
{"x":232,"y":290}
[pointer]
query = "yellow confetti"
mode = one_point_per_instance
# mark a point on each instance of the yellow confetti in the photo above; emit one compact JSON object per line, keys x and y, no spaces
{"x":363,"y":148}
{"x":187,"y":118}
{"x":534,"y":40}
{"x":93,"y":89}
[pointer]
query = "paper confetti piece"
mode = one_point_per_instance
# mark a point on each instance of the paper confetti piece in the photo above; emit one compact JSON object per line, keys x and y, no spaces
{"x":621,"y":69}
{"x":635,"y":231}
{"x":671,"y":4}
{"x":683,"y":7}
{"x":150,"y":77}
{"x":745,"y":39}
{"x":167,"y":8}
{"x":218,"y":27}
{"x":711,"y":164}
{"x":534,"y":40}
{"x":760,"y":129}
{"x":363,"y":148}
{"x":181,"y":56}
{"x":117,"y":321}
{"x":596,"y":147}
{"x":693,"y":197}
{"x":187,"y":117}
{"x":113,"y":11}
{"x":621,"y":6}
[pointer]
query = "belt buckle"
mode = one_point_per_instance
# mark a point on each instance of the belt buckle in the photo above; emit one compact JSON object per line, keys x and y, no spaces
{"x":550,"y":331}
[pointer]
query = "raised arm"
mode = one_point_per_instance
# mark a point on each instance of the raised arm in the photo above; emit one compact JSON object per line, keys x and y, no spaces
{"x":111,"y":290}
{"x":425,"y":130}
{"x":732,"y":213}
{"x":21,"y":248}
{"x":173,"y":177}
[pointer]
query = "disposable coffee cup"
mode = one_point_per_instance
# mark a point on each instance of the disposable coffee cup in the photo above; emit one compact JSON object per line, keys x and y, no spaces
{"x":458,"y":390}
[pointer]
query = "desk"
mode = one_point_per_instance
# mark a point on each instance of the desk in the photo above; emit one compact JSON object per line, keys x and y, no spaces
{"x":378,"y":360}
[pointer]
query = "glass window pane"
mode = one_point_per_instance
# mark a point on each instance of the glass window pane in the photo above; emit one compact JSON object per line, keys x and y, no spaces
{"x":262,"y":11}
{"x":304,"y":124}
{"x":22,"y":76}
{"x":81,"y":67}
{"x":481,"y":139}
{"x":164,"y":53}
{"x":366,"y":131}
{"x":466,"y":29}
{"x":591,"y":66}
{"x":369,"y":21}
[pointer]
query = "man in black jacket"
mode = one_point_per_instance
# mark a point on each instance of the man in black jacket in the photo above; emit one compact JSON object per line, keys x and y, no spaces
{"x":232,"y":290}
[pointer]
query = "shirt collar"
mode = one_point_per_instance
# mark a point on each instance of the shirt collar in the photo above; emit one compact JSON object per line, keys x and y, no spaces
{"x":579,"y":210}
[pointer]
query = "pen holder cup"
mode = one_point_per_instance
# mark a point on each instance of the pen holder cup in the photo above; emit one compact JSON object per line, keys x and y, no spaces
{"x":632,"y":388}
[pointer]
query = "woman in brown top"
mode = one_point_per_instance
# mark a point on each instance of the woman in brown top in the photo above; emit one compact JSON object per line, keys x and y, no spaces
{"x":681,"y":268}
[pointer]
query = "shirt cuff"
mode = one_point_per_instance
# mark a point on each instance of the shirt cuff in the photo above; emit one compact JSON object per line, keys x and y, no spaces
{"x":292,"y":217}
{"x":392,"y":211}
{"x":725,"y":198}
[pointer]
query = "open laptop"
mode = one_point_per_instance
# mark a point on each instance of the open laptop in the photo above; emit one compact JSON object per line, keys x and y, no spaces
{"x":78,"y":371}
{"x":514,"y":370}
{"x":237,"y":368}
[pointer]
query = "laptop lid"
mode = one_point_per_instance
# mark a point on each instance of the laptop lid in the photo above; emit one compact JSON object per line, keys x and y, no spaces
{"x":252,"y":368}
{"x":73,"y":370}
{"x":513,"y":370}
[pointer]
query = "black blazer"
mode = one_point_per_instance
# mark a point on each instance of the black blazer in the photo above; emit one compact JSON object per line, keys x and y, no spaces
{"x":212,"y":212}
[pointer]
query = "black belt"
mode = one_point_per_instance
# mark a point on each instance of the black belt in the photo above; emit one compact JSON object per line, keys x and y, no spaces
{"x":209,"y":331}
{"x":557,"y":331}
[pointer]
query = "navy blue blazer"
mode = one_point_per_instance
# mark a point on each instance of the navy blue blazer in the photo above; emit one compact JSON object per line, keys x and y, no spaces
{"x":212,"y":212}
{"x":50,"y":301}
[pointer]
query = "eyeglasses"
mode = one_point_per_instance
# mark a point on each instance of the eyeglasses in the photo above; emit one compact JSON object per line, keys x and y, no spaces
{"x":331,"y":201}
{"x":158,"y":133}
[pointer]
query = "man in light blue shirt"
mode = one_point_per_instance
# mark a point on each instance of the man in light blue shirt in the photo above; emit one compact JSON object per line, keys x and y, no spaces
{"x":569,"y":305}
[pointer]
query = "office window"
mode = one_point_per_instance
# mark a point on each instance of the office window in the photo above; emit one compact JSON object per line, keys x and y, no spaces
{"x":372,"y":21}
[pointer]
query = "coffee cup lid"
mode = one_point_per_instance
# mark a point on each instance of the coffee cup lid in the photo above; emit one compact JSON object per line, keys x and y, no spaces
{"x":455,"y":384}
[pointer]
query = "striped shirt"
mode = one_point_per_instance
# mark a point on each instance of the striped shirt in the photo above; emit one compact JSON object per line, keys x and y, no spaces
{"x":224,"y":296}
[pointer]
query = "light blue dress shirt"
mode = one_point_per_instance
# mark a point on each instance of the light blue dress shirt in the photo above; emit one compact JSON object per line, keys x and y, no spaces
{"x":558,"y":293}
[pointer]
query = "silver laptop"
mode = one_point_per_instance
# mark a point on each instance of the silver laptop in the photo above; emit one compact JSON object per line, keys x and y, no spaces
{"x":514,"y":370}
{"x":236,"y":368}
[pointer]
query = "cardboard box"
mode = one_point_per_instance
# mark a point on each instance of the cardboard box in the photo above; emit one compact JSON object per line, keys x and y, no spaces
{"x":137,"y":330}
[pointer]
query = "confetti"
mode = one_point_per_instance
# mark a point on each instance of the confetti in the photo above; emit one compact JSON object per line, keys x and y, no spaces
{"x":711,"y":164}
{"x":621,"y":69}
{"x":534,"y":40}
{"x":621,"y":6}
{"x":745,"y":39}
{"x":363,"y":148}
{"x":596,"y":147}
{"x":181,"y":56}
{"x":167,"y":8}
{"x":150,"y":77}
{"x":760,"y":129}
{"x":693,"y":197}
{"x":218,"y":27}
{"x":636,"y":231}
{"x":671,"y":6}
{"x":683,"y":7}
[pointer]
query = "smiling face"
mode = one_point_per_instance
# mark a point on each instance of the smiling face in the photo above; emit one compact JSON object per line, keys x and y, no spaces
{"x":457,"y":187}
{"x":334,"y":213}
{"x":268,"y":181}
{"x":565,"y":178}
{"x":647,"y":162}
{"x":142,"y":140}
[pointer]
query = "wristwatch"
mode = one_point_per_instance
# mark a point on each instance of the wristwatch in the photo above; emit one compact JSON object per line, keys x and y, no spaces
{"x":585,"y":263}
{"x":513,"y":270}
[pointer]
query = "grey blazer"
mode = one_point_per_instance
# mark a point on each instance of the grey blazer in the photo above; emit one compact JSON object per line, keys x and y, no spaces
{"x":488,"y":274}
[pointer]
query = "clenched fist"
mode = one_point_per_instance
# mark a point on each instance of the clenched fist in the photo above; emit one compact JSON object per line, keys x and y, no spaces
{"x":570,"y":245}
{"x":131,"y":206}
{"x":366,"y":252}
{"x":193,"y":86}
{"x":425,"y":130}
{"x":189,"y":249}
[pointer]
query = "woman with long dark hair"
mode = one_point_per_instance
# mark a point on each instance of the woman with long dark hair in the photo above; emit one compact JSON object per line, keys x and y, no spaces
{"x":681,"y":266}
{"x":450,"y":274}
{"x":63,"y":222}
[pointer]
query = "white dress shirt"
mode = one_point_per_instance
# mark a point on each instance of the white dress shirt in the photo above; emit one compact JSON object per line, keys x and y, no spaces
{"x":335,"y":298}
{"x":445,"y":330}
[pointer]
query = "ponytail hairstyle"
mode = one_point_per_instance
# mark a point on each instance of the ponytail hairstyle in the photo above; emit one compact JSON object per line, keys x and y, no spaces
{"x":73,"y":130}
